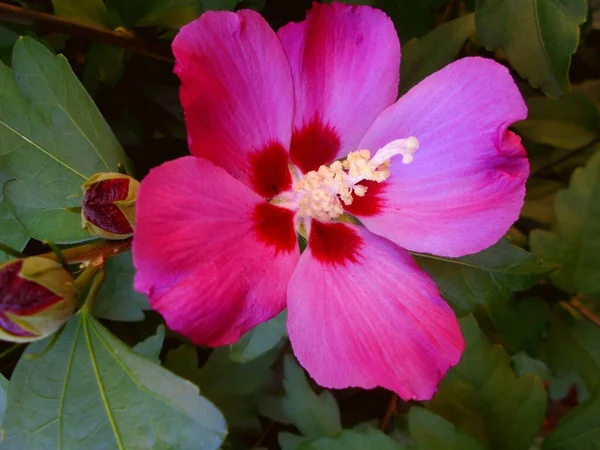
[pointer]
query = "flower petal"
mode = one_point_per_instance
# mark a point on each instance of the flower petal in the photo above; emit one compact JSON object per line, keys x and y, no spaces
{"x":213,"y":257}
{"x":237,"y":95}
{"x":466,"y":185}
{"x":345,"y":62}
{"x":373,"y":318}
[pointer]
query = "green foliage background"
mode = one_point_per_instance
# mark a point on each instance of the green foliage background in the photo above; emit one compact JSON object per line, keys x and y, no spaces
{"x":115,"y":378}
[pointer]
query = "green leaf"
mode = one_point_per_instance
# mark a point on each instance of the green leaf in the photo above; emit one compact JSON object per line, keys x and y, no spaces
{"x":575,"y":243}
{"x":151,"y":346}
{"x":570,"y":122}
{"x":486,"y":277}
{"x":573,"y":347}
{"x":104,"y":66}
{"x":3,"y":389}
{"x":539,"y":200}
{"x":412,"y":19}
{"x":580,"y":429}
{"x":314,"y":415}
{"x":260,"y":340}
{"x":353,"y":440}
{"x":434,"y":433}
{"x":523,"y":363}
{"x":230,"y":386}
{"x":483,"y":396}
{"x":11,"y":231}
{"x":538,"y":36}
{"x":166,"y":13}
{"x":52,"y":138}
{"x":117,"y":300}
{"x":424,"y":56}
{"x":89,"y":390}
{"x":289,"y":441}
{"x":88,"y":12}
{"x":522,"y":324}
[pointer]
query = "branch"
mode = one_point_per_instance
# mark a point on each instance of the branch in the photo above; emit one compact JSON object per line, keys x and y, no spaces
{"x":389,"y":413}
{"x":52,"y":23}
{"x":576,"y":304}
{"x":591,"y":146}
{"x":97,"y":252}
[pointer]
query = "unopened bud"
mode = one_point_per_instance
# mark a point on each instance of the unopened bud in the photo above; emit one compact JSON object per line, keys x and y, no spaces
{"x":108,"y":206}
{"x":37,"y":297}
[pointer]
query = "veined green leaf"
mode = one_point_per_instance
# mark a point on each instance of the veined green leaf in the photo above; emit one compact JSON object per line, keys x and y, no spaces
{"x":88,"y":12}
{"x":260,"y":340}
{"x":423,"y":56}
{"x":580,"y":429}
{"x":484,"y":397}
{"x":573,"y":347}
{"x":11,"y":231}
{"x":152,"y":345}
{"x":434,"y":433}
{"x":538,"y":36}
{"x":353,"y":440}
{"x":233,"y":387}
{"x":575,"y":244}
{"x":314,"y":415}
{"x":570,"y":122}
{"x":117,"y":300}
{"x":89,"y":390}
{"x":52,"y":138}
{"x":486,"y":277}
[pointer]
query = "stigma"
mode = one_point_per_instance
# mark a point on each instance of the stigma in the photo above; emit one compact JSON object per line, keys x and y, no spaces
{"x":322,"y":193}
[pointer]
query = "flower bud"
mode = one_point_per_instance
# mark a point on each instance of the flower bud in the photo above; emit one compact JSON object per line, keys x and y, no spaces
{"x":37,"y":297}
{"x":108,"y":206}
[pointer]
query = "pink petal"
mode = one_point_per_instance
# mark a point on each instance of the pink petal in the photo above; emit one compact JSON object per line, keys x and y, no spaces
{"x":213,"y":257}
{"x":345,"y":63}
{"x":466,"y":185}
{"x":370,"y":318}
{"x":237,"y":95}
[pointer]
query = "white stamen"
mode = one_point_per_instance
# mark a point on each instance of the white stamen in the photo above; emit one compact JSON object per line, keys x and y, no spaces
{"x":405,"y":147}
{"x":323,"y":192}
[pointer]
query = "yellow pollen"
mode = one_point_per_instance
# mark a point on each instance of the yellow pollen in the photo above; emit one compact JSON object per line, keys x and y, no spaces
{"x":324,"y":192}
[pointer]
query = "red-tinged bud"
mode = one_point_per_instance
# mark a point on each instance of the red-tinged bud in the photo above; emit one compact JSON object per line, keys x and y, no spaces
{"x":37,"y":297}
{"x":108,"y":206}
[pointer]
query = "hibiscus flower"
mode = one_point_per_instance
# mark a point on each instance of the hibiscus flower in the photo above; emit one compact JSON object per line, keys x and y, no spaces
{"x":298,"y":133}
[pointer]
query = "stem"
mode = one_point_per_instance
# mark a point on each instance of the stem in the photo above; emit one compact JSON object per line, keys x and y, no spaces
{"x":391,"y":410}
{"x":91,"y":297}
{"x":52,"y":23}
{"x":568,"y":156}
{"x":11,"y":251}
{"x":585,"y":312}
{"x":59,"y":256}
{"x":98,"y":252}
{"x":82,"y":281}
{"x":9,"y":350}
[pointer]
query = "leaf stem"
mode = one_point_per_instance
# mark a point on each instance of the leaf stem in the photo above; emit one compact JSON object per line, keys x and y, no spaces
{"x":11,"y":251}
{"x":50,"y":22}
{"x":59,"y":255}
{"x":96,"y":253}
{"x":389,"y":413}
{"x":576,"y":304}
{"x":592,"y":145}
{"x":86,"y":277}
{"x":9,"y":350}
{"x":91,"y":297}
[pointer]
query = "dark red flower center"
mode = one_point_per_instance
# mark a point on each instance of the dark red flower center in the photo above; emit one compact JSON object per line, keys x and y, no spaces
{"x":334,"y":243}
{"x":99,"y":208}
{"x":270,"y":171}
{"x":314,"y":145}
{"x":275,"y":227}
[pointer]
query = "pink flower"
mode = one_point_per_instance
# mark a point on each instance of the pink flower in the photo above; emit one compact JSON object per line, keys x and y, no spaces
{"x":215,"y":244}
